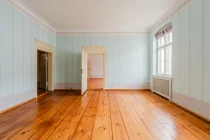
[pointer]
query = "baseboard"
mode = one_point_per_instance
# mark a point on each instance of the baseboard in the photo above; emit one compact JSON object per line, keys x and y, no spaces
{"x":95,"y":89}
{"x":67,"y":89}
{"x":20,"y":104}
{"x":67,"y":85}
{"x":127,"y":89}
{"x":44,"y":94}
{"x":84,"y":92}
{"x":193,"y":112}
{"x":197,"y":107}
{"x":15,"y":106}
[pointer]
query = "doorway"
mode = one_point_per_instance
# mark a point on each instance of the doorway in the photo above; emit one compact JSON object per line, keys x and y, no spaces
{"x":44,"y":54}
{"x":85,"y":73}
{"x":95,"y":76}
{"x":42,"y":72}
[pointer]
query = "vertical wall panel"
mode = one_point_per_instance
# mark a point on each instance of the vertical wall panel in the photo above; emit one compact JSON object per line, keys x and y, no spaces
{"x":196,"y":52}
{"x":1,"y":40}
{"x":27,"y":53}
{"x":184,"y":50}
{"x":76,"y":55}
{"x":118,"y":54}
{"x":7,"y":49}
{"x":144,"y":73}
{"x":45,"y":39}
{"x":64,"y":59}
{"x":110,"y":57}
{"x":41,"y":33}
{"x":34,"y":35}
{"x":70,"y":59}
{"x":58,"y":59}
{"x":206,"y":51}
{"x":176,"y":55}
{"x":18,"y":52}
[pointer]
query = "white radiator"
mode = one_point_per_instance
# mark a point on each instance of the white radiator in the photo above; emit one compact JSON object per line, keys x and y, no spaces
{"x":162,"y":86}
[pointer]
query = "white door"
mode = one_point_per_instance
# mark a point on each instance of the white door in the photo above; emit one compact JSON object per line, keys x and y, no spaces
{"x":84,"y":72}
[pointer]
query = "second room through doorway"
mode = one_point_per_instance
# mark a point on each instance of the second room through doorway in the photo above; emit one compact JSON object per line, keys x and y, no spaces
{"x":95,"y":71}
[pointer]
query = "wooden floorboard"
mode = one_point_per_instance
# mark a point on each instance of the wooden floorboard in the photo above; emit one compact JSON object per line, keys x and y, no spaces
{"x":102,"y":115}
{"x":95,"y":83}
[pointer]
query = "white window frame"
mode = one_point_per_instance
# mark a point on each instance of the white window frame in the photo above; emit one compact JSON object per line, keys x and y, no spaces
{"x":157,"y":62}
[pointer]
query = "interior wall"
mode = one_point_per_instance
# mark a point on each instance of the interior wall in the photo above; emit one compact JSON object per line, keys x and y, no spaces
{"x":95,"y":65}
{"x":127,"y":57}
{"x":190,"y":57}
{"x":17,"y":60}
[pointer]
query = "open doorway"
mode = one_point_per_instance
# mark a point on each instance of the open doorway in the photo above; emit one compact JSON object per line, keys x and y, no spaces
{"x":95,"y":71}
{"x":44,"y":55}
{"x":42,"y":72}
{"x":85,"y":74}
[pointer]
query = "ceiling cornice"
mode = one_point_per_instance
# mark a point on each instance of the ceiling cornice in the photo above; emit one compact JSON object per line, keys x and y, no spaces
{"x":102,"y":33}
{"x":168,"y":16}
{"x":31,"y":15}
{"x":48,"y":26}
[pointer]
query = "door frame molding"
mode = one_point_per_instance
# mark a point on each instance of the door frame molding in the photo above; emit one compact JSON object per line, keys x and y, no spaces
{"x":98,"y":50}
{"x":41,"y":46}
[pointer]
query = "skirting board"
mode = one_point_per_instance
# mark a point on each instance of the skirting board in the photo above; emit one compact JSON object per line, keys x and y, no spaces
{"x":193,"y":112}
{"x":15,"y":106}
{"x":67,"y":89}
{"x":94,"y":89}
{"x":44,"y":93}
{"x":127,"y":89}
{"x":105,"y":89}
{"x":197,"y":107}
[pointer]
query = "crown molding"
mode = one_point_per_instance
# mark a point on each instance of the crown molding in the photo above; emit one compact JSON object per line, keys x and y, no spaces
{"x":102,"y":33}
{"x":30,"y":15}
{"x":43,"y":23}
{"x":168,"y":16}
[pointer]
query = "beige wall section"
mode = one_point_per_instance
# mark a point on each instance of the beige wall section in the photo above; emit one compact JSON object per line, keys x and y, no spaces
{"x":98,"y":50}
{"x":50,"y":50}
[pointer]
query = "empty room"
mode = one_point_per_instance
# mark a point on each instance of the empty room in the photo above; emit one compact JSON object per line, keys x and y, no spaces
{"x":104,"y":69}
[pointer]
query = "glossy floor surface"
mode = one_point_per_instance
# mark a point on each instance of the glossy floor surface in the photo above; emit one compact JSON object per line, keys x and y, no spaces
{"x":95,"y":83}
{"x":102,"y":115}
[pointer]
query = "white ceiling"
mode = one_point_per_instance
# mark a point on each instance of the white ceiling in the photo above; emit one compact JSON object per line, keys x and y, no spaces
{"x":99,"y":15}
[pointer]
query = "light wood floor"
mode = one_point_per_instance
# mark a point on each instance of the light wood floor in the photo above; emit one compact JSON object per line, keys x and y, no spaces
{"x":102,"y":115}
{"x":95,"y":83}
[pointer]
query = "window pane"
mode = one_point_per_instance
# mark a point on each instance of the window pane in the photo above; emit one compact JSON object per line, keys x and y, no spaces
{"x":164,"y":62}
{"x":162,"y":65}
{"x":159,"y":42}
{"x":167,"y":38}
{"x":159,"y":61}
{"x":168,"y":59}
{"x":171,"y":37}
{"x":162,"y":41}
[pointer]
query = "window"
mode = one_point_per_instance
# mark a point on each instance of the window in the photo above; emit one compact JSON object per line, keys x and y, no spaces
{"x":164,"y":51}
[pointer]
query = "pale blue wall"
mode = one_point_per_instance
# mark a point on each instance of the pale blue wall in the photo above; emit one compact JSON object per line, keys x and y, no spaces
{"x":127,"y":60}
{"x":191,"y":52}
{"x":191,"y":49}
{"x":17,"y":60}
